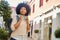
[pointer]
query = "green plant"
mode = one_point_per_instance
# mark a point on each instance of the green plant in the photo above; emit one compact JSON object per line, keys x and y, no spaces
{"x":36,"y":31}
{"x":5,"y":11}
{"x":3,"y":34}
{"x":57,"y":33}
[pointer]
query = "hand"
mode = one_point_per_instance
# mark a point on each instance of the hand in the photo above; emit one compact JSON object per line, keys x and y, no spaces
{"x":21,"y":17}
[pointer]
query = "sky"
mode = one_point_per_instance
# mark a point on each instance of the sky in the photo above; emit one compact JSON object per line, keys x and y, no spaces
{"x":14,"y":3}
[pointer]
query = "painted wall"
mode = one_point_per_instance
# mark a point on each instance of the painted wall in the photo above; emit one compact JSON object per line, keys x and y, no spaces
{"x":46,"y":6}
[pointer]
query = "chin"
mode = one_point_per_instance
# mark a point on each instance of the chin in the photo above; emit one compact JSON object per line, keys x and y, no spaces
{"x":22,"y":14}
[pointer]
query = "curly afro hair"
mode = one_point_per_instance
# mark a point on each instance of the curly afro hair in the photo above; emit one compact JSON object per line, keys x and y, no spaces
{"x":23,"y":5}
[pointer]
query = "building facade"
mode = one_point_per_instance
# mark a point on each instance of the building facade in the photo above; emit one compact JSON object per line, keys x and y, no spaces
{"x":45,"y":17}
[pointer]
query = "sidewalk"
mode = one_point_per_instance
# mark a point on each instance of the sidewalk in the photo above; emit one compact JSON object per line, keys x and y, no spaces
{"x":30,"y":39}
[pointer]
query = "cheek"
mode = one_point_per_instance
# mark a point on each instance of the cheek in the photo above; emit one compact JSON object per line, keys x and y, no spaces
{"x":25,"y":11}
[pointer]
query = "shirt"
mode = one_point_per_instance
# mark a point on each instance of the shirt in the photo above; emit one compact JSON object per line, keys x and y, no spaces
{"x":21,"y":30}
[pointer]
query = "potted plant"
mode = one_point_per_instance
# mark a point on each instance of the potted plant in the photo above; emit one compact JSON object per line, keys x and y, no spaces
{"x":36,"y":31}
{"x":57,"y":34}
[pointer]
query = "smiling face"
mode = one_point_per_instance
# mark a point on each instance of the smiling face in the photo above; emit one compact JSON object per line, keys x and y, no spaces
{"x":23,"y":10}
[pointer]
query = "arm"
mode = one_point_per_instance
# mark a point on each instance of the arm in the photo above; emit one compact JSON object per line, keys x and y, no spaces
{"x":18,"y":23}
{"x":28,"y":26}
{"x":15,"y":24}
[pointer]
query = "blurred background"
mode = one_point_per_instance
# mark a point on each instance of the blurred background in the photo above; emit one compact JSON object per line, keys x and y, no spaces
{"x":44,"y":18}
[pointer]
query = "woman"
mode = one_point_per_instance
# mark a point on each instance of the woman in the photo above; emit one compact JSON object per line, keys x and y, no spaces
{"x":20,"y":25}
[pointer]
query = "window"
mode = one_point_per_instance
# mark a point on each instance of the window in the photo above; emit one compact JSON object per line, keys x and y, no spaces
{"x":33,"y":8}
{"x":40,"y":23}
{"x":40,"y":3}
{"x":30,"y":0}
{"x":46,"y":0}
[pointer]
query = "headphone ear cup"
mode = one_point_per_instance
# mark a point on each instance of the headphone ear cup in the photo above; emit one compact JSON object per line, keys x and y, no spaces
{"x":24,"y":17}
